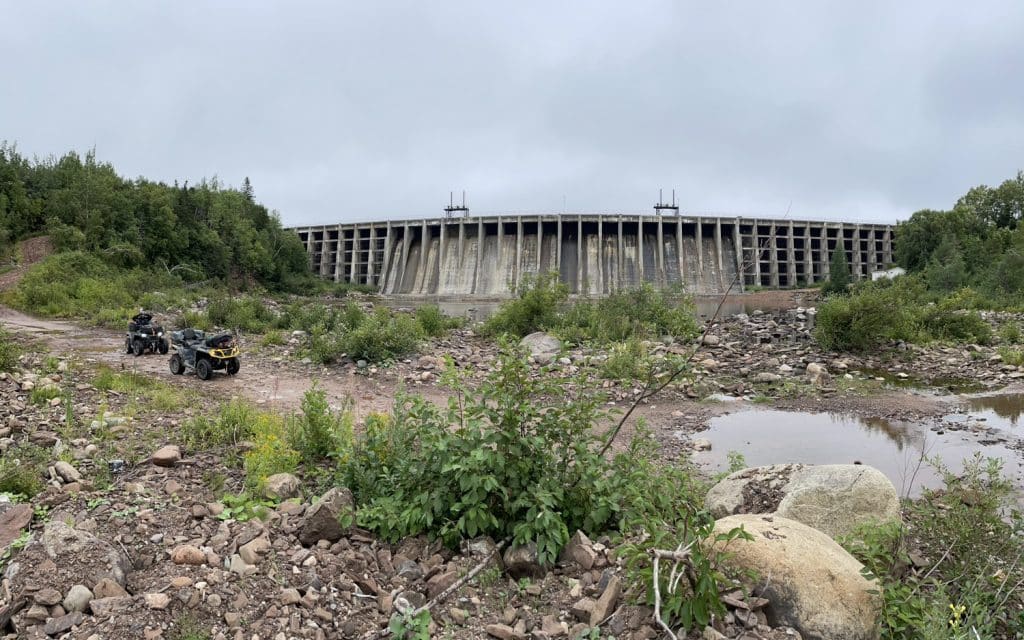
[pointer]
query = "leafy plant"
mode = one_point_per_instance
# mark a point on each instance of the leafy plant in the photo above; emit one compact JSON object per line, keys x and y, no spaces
{"x":433,"y":322}
{"x":244,"y":507}
{"x":406,"y":626}
{"x":535,"y":307}
{"x":9,"y":351}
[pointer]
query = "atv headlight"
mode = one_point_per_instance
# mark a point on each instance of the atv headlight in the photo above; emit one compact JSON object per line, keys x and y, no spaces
{"x":160,"y":333}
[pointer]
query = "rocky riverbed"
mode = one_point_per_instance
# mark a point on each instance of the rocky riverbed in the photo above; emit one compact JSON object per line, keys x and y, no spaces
{"x":131,"y":538}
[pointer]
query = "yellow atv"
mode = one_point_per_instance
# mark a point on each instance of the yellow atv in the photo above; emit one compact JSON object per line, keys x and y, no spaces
{"x":196,"y":351}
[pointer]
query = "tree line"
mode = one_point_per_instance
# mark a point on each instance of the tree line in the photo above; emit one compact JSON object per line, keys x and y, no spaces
{"x":196,"y":231}
{"x":979,"y":243}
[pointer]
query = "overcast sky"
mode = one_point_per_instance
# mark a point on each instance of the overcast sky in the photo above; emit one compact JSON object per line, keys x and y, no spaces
{"x":340,"y":111}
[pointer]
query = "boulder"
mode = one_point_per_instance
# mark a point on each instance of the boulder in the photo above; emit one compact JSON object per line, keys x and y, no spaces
{"x":817,"y":374}
{"x":521,"y":561}
{"x":13,"y":518}
{"x":834,"y":498}
{"x":67,"y":472}
{"x":541,"y":344}
{"x":167,"y":456}
{"x":812,"y":584}
{"x":837,"y":498}
{"x":281,"y":486}
{"x":736,"y":492}
{"x":78,"y":598}
{"x":92,"y":558}
{"x":323,"y":519}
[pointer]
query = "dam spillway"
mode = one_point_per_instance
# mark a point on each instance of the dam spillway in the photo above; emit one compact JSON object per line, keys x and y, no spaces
{"x":486,"y":256}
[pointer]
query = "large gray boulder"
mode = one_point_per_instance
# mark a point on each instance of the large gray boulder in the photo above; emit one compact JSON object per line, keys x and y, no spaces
{"x":834,"y":498}
{"x":91,"y":558}
{"x":838,"y":498}
{"x":323,"y":520}
{"x":751,"y":490}
{"x":541,"y":344}
{"x":812,"y":583}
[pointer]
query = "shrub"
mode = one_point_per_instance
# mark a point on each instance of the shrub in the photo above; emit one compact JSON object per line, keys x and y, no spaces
{"x":9,"y":351}
{"x":863,"y":320}
{"x":433,"y":322}
{"x":942,"y":323}
{"x":838,"y":273}
{"x":1012,"y":356}
{"x":535,"y":307}
{"x":274,"y":337}
{"x":271,"y":452}
{"x":382,"y":336}
{"x":1010,"y":333}
{"x":970,"y":532}
{"x":22,"y":470}
{"x":233,"y":423}
{"x":627,"y":361}
{"x":319,"y":432}
{"x":245,"y":313}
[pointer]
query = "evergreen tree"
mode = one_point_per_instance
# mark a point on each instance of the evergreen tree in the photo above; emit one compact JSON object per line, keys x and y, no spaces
{"x":838,"y":272}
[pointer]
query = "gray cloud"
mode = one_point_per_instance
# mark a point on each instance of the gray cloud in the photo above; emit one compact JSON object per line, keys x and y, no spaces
{"x":342,"y":111}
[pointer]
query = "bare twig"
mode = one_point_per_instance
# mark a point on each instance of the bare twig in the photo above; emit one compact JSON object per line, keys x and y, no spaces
{"x":458,"y":584}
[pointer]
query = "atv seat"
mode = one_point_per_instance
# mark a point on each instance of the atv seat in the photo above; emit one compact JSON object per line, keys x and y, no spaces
{"x":189,"y":335}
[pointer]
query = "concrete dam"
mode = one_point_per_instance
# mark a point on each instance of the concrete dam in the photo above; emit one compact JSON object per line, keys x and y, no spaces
{"x":486,"y":256}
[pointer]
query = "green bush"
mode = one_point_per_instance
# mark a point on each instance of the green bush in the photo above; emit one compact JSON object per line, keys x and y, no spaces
{"x":22,"y":469}
{"x":643,"y":312}
{"x":1010,"y":333}
{"x":433,"y":322}
{"x":382,"y":336}
{"x":319,"y":432}
{"x":245,"y":313}
{"x":232,"y":424}
{"x":970,"y":533}
{"x":271,"y":452}
{"x":9,"y":351}
{"x":627,"y":361}
{"x":939,"y":323}
{"x":536,"y":307}
{"x":864,"y":320}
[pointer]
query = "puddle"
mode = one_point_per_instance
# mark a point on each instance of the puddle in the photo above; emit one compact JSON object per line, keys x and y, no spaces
{"x":1002,"y":411}
{"x":769,"y":437}
{"x":942,"y":383}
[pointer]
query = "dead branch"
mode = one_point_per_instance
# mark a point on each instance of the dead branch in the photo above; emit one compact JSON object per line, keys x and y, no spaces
{"x":458,"y":584}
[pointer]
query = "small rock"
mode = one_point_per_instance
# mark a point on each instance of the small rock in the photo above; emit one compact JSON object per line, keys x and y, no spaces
{"x":78,"y":598}
{"x":63,"y":623}
{"x":47,"y":597}
{"x":702,"y":444}
{"x":157,"y":601}
{"x":167,"y":456}
{"x":281,"y":486}
{"x":67,"y":472}
{"x":187,"y":554}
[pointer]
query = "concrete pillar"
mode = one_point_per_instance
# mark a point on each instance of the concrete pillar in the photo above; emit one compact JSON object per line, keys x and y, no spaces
{"x":558,"y":243}
{"x":479,"y":252}
{"x":858,"y":260}
{"x":619,"y":258}
{"x":406,"y":242}
{"x":791,"y":257}
{"x":887,"y":247}
{"x":773,"y":257}
{"x":600,"y":255}
{"x":370,"y":256}
{"x":679,"y":250}
{"x":757,"y":246}
{"x":422,"y":275}
{"x":442,"y":251}
{"x":808,"y":259}
{"x":718,"y":252}
{"x":501,"y":244}
{"x":640,"y":248}
{"x":699,"y":240}
{"x":580,"y":258}
{"x":462,"y":241}
{"x":738,"y":251}
{"x":519,"y":254}
{"x":385,"y":270}
{"x":540,"y":244}
{"x":661,"y":252}
{"x":354,"y":256}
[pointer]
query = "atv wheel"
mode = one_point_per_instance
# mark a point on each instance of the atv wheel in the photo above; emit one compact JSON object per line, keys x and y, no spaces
{"x":233,"y":366}
{"x":204,"y":370}
{"x":138,"y":347}
{"x":163,"y":347}
{"x":177,"y":365}
{"x":127,"y":345}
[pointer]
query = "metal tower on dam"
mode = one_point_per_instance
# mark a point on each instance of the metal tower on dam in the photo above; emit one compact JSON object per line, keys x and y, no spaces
{"x":485,"y":256}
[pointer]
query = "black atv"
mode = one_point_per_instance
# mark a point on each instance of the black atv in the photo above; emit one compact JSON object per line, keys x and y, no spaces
{"x":204,"y":354}
{"x":144,"y":336}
